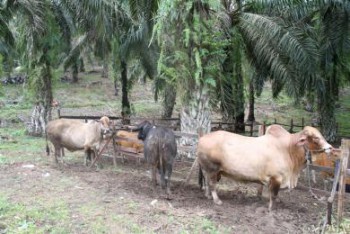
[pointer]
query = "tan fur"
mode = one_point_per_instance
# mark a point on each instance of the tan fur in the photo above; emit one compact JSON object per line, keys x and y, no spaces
{"x":326,"y":160}
{"x":274,"y":159}
{"x":131,"y":140}
{"x":76,"y":135}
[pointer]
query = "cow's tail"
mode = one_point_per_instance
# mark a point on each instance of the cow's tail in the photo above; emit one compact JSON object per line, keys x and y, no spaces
{"x":47,"y":146}
{"x":161,"y":163}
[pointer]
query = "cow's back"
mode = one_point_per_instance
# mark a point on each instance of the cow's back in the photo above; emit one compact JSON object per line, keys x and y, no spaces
{"x":160,"y":142}
{"x":243,"y":158}
{"x":71,"y":134}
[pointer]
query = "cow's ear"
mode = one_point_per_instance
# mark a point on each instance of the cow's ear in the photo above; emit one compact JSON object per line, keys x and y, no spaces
{"x":302,"y":140}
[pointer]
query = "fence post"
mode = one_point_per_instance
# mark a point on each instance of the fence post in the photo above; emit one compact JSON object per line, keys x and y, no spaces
{"x":251,"y":128}
{"x":344,"y":165}
{"x":59,"y":113}
{"x":302,"y":122}
{"x":291,"y":126}
{"x":275,"y":121}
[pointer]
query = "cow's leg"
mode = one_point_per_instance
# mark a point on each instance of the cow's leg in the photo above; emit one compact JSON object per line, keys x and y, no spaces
{"x":260,"y":190}
{"x":325,"y":183}
{"x":313,"y":176}
{"x":206,"y":185}
{"x":274,"y":188}
{"x":169,"y":170}
{"x":154,"y":175}
{"x":87,"y":157}
{"x":162,"y":171}
{"x":212,"y":186}
{"x":57,"y":153}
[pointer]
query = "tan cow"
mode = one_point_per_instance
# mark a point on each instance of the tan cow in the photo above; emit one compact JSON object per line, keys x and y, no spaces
{"x":274,"y":159}
{"x":76,"y":135}
{"x":129,"y":140}
{"x":325,"y":160}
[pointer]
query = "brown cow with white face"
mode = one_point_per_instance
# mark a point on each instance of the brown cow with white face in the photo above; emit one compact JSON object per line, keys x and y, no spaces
{"x":274,"y":159}
{"x":76,"y":135}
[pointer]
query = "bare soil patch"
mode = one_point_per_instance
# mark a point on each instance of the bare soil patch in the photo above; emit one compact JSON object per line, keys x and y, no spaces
{"x":122,"y":200}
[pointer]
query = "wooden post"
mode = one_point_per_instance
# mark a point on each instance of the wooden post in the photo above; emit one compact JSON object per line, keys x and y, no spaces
{"x":100,"y":153}
{"x":331,"y":198}
{"x":291,"y":126}
{"x":343,"y":166}
{"x":302,"y":122}
{"x":114,"y":150}
{"x":85,"y":119}
{"x":275,"y":121}
{"x":59,"y":113}
{"x":251,"y":128}
{"x":262,"y":129}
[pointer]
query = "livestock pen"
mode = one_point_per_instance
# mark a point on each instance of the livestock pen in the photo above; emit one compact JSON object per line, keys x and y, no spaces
{"x":183,"y":164}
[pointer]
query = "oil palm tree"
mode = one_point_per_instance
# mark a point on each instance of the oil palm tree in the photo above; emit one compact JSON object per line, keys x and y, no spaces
{"x":37,"y":37}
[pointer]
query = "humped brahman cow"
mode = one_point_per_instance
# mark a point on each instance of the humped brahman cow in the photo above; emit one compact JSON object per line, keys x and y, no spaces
{"x":159,"y":150}
{"x":76,"y":135}
{"x":274,"y":159}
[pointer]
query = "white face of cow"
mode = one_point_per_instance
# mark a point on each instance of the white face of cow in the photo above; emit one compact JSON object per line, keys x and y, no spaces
{"x":105,"y":125}
{"x":316,"y":141}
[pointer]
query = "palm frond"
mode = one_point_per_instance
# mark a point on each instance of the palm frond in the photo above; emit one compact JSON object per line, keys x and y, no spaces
{"x":288,"y":55}
{"x":75,"y":51}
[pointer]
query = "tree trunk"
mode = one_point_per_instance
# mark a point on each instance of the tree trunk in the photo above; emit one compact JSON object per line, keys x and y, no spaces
{"x":328,"y":122}
{"x":335,"y":80}
{"x":75,"y":72}
{"x":125,"y":99}
{"x":195,"y":116}
{"x":169,"y":100}
{"x":326,"y":101}
{"x":115,"y":78}
{"x":105,"y":69}
{"x":239,"y":101}
{"x":326,"y":108}
{"x":251,"y":115}
{"x":81,"y":65}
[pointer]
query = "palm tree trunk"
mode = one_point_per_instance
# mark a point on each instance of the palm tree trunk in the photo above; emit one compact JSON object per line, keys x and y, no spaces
{"x":81,"y":65}
{"x":251,"y":115}
{"x":125,"y":97}
{"x":328,"y":122}
{"x":115,"y":78}
{"x":239,"y":100}
{"x":326,"y":108}
{"x":105,"y":69}
{"x":75,"y":72}
{"x":196,"y":116}
{"x":169,"y":100}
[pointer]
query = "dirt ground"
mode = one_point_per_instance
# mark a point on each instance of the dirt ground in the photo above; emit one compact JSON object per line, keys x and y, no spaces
{"x":123,"y":201}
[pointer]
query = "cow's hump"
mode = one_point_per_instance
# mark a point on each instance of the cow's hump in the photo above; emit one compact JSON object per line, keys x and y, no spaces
{"x":276,"y":131}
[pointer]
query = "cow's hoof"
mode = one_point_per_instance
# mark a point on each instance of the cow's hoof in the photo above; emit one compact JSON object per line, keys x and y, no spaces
{"x":218,"y":202}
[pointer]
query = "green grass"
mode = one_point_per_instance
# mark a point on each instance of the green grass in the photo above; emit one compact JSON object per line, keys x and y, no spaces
{"x":42,"y":218}
{"x":16,"y":146}
{"x":204,"y":225}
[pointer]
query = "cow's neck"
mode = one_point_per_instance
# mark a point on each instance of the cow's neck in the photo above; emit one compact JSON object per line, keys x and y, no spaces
{"x":296,"y":153}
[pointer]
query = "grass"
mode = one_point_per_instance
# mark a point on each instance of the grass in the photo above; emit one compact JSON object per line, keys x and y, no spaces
{"x":42,"y":218}
{"x":53,"y":215}
{"x":15,"y":142}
